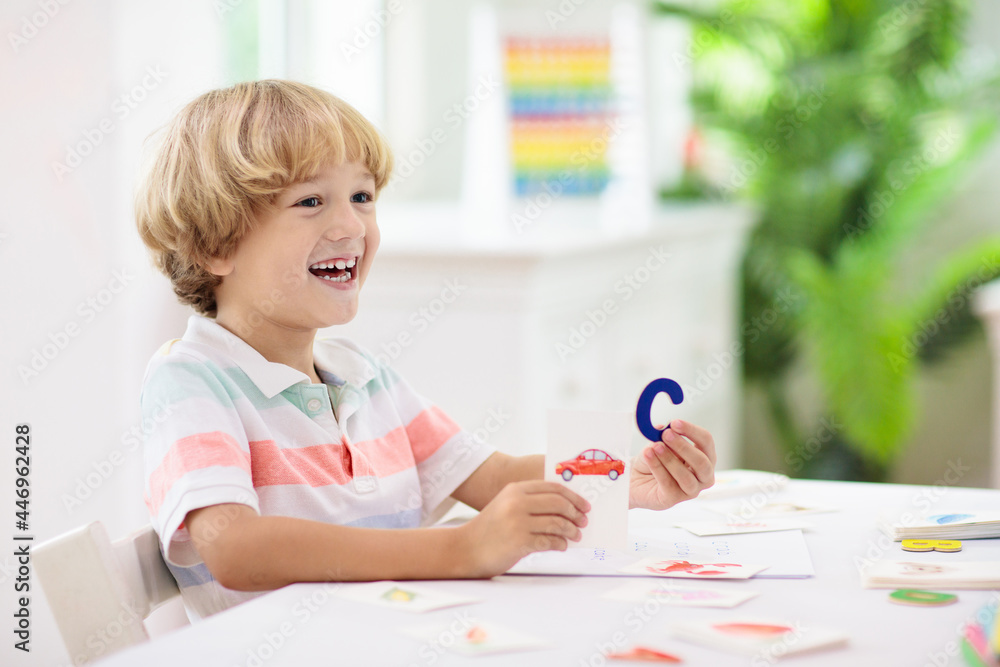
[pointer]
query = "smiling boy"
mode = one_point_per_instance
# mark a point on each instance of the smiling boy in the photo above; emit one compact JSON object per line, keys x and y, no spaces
{"x":286,"y":458}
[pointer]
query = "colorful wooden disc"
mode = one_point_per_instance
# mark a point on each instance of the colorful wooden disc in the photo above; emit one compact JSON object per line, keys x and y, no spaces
{"x":919,"y":598}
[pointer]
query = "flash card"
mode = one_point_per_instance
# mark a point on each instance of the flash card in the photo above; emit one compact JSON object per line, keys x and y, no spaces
{"x":588,"y":452}
{"x":668,"y":592}
{"x":475,"y":637}
{"x":401,"y":595}
{"x":683,"y":569}
{"x":736,"y":527}
{"x":765,"y":638}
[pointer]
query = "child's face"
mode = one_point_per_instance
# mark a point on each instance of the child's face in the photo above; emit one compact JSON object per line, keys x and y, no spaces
{"x":284,"y":275}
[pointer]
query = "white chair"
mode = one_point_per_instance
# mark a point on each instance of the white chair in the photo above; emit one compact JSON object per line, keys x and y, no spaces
{"x":101,"y":592}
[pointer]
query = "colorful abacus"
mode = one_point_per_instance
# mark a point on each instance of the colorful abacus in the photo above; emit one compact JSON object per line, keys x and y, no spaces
{"x":560,"y":108}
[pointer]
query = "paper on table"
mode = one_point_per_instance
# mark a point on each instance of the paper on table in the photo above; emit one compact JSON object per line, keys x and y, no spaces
{"x":472,"y":637}
{"x":785,"y":551}
{"x":961,"y":575}
{"x":702,"y":528}
{"x":775,"y":509}
{"x":683,"y":568}
{"x":667,"y":591}
{"x":738,"y":482}
{"x":589,"y":452}
{"x":401,"y":595}
{"x":768,"y":639}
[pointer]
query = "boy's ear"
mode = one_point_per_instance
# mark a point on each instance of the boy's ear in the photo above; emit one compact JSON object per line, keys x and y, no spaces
{"x":218,"y":266}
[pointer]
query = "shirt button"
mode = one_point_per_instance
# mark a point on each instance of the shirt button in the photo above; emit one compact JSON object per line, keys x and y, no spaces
{"x":314,"y":404}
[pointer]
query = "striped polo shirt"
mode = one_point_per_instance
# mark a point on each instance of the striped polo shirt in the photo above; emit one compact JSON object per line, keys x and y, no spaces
{"x":361,"y":449}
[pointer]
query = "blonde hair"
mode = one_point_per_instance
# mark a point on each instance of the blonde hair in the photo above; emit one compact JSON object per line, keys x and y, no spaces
{"x":226,"y":157}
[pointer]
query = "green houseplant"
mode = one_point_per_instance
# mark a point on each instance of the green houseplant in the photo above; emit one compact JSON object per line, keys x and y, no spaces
{"x":848,"y":123}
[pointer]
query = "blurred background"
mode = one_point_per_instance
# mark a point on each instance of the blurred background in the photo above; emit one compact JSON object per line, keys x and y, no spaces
{"x":788,"y":208}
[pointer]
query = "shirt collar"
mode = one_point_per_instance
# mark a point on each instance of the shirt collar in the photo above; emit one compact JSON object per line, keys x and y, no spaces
{"x":272,"y":378}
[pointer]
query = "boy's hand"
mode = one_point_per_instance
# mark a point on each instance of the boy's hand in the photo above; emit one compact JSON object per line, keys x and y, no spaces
{"x":675,"y":469}
{"x":523,"y":518}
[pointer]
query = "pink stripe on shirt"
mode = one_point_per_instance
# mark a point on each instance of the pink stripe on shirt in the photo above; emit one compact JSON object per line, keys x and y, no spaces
{"x":428,"y":431}
{"x":202,"y":450}
{"x":321,"y":465}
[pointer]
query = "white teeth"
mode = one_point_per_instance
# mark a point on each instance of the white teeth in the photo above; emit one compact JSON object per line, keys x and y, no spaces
{"x":341,"y":279}
{"x":336,"y":264}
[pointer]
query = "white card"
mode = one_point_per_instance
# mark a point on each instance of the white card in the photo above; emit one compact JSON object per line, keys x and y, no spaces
{"x":589,"y":453}
{"x":702,"y":528}
{"x":401,"y":595}
{"x":729,"y":483}
{"x":669,"y":593}
{"x":766,"y":639}
{"x":472,"y":637}
{"x":766,"y":510}
{"x":786,"y":552}
{"x":686,"y":569}
{"x":941,"y":573}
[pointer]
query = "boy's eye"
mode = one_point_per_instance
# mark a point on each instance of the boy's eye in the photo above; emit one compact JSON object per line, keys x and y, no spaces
{"x":361,"y":197}
{"x":309,"y":202}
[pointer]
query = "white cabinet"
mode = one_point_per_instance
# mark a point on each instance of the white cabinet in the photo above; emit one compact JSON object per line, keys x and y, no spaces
{"x":498,"y":331}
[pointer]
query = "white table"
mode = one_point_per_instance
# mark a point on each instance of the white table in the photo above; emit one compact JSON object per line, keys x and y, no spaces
{"x":281,"y":629}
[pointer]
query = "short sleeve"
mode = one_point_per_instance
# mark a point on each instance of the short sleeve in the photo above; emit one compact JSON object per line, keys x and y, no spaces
{"x":444,"y":453}
{"x":196,"y":451}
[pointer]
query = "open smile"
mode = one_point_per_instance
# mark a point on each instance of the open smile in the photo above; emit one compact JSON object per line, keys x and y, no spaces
{"x":337,"y":269}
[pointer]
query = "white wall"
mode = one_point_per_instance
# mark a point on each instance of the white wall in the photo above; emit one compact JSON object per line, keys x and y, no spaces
{"x":63,"y":240}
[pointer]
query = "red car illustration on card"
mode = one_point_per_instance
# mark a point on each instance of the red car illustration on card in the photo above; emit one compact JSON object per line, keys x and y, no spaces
{"x":591,"y":462}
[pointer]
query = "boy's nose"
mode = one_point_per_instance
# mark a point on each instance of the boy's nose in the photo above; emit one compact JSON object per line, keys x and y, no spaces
{"x":345,"y":223}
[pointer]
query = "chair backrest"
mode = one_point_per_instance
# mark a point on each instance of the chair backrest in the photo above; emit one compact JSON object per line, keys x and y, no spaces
{"x":100,"y":592}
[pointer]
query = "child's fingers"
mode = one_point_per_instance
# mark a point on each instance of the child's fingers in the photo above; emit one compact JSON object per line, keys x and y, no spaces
{"x":550,"y":503}
{"x":657,"y":467}
{"x":701,"y":437}
{"x":540,"y":486}
{"x":554,"y":526}
{"x":682,"y":476}
{"x":694,"y":458}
